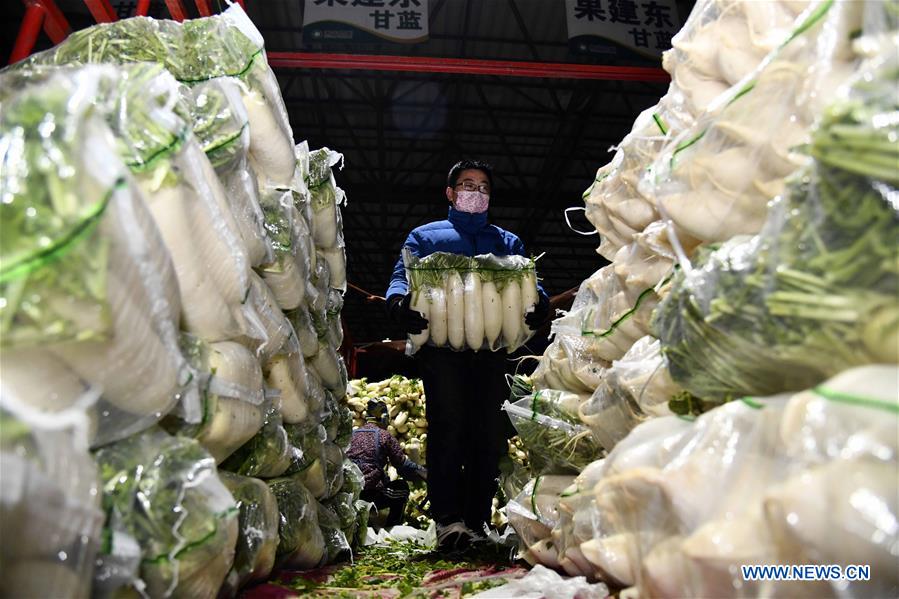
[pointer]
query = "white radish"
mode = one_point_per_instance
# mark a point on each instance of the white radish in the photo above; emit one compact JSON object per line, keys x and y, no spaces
{"x":287,"y":373}
{"x":474,"y":311}
{"x":511,"y":302}
{"x":421,"y":305}
{"x":336,"y":258}
{"x":529,"y":297}
{"x":324,"y":226}
{"x":288,"y":286}
{"x":233,"y":363}
{"x":493,"y":313}
{"x":455,"y":310}
{"x":270,"y":147}
{"x":438,"y":317}
{"x":326,"y":366}
{"x":233,"y":422}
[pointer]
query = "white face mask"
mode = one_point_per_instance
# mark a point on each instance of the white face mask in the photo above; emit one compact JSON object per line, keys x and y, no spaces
{"x":473,"y":202}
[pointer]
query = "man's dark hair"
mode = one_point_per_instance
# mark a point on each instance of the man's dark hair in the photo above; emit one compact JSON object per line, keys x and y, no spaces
{"x":463,"y":165}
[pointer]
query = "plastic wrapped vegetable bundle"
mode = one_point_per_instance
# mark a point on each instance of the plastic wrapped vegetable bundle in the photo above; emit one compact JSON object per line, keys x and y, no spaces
{"x":301,"y":545}
{"x":305,"y":330}
{"x":257,"y":542}
{"x":567,"y":364}
{"x":234,"y":407}
{"x":308,"y":463}
{"x":607,"y":315}
{"x":534,"y":513}
{"x":326,"y":199}
{"x":196,"y":51}
{"x":635,"y":388}
{"x":50,"y":517}
{"x":337,"y":545}
{"x":269,"y":331}
{"x":556,"y":441}
{"x":221,"y":126}
{"x":472,"y":302}
{"x":88,"y":289}
{"x":791,"y":495}
{"x":268,"y":454}
{"x":815,"y":291}
{"x":163,"y":495}
{"x":288,"y":272}
{"x":300,"y":392}
{"x":714,"y":179}
{"x":575,"y":525}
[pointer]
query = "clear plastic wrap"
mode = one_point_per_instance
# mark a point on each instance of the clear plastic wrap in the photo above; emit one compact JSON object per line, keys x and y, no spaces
{"x":715,"y":178}
{"x":608,"y":316}
{"x":634,"y":388}
{"x":89,"y":295}
{"x":301,"y":544}
{"x":288,"y":272}
{"x":50,"y":517}
{"x":269,"y":330}
{"x":475,"y":302}
{"x":234,"y":406}
{"x":335,"y":326}
{"x":319,"y":463}
{"x":807,"y":479}
{"x":221,"y":126}
{"x":329,"y":366}
{"x":534,"y":513}
{"x":300,"y":397}
{"x":550,"y":430}
{"x":326,"y":198}
{"x":815,"y":291}
{"x":163,"y":494}
{"x":567,"y":365}
{"x":257,"y":541}
{"x":196,"y":51}
{"x":268,"y":454}
{"x":305,"y":330}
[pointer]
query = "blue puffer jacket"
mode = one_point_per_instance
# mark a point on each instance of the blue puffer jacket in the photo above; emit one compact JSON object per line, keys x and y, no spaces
{"x":462,"y":233}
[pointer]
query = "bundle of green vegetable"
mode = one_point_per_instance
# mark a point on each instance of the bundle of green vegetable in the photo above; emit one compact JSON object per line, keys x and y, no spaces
{"x":268,"y":454}
{"x":301,"y":544}
{"x":552,"y":433}
{"x":534,"y":513}
{"x":815,"y":291}
{"x":196,"y":51}
{"x":257,"y":541}
{"x":472,"y":302}
{"x":230,"y":380}
{"x":49,"y":506}
{"x":88,"y":295}
{"x":162,"y":495}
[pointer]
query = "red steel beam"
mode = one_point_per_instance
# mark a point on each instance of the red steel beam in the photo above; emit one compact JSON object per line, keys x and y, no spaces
{"x":143,"y":7}
{"x":203,"y":8}
{"x":55,"y":24}
{"x":101,"y":10}
{"x":460,"y":66}
{"x":28,"y":32}
{"x":176,"y":9}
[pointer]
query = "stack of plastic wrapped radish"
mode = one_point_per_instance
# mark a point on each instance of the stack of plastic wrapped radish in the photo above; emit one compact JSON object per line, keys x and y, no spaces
{"x":750,"y":219}
{"x":170,"y":288}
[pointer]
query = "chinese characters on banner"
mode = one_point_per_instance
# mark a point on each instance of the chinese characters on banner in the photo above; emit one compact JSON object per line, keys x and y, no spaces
{"x":641,"y":26}
{"x":363,"y":20}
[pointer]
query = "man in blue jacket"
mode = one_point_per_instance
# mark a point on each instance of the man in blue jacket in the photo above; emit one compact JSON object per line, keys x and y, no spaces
{"x":464,"y":390}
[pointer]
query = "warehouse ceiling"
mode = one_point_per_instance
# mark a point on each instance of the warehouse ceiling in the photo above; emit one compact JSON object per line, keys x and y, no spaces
{"x":401,"y":131}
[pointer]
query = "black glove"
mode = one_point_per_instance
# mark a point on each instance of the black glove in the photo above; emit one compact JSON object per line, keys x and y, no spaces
{"x":539,"y":316}
{"x":411,"y":321}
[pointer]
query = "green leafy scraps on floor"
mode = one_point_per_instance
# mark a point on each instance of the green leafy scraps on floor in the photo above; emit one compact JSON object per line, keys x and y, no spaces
{"x":401,"y":569}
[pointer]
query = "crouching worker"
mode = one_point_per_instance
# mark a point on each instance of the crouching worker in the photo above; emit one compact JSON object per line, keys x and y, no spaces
{"x":370,"y":449}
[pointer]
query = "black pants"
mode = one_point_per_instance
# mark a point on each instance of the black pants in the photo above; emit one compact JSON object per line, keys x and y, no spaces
{"x":392,"y":497}
{"x":466,"y":431}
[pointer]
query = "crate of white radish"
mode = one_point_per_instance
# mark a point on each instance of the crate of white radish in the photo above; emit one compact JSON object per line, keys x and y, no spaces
{"x":471,"y":303}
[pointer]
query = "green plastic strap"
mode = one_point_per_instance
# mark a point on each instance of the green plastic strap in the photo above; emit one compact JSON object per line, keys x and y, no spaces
{"x":752,"y":403}
{"x":534,"y":400}
{"x":660,"y":124}
{"x":855,"y":400}
{"x":534,"y":496}
{"x":240,"y":73}
{"x":60,"y":247}
{"x":626,"y":315}
{"x":226,"y":141}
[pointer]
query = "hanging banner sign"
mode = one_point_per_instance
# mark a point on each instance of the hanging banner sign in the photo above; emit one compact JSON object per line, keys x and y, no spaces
{"x":644,"y":27}
{"x":403,"y":21}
